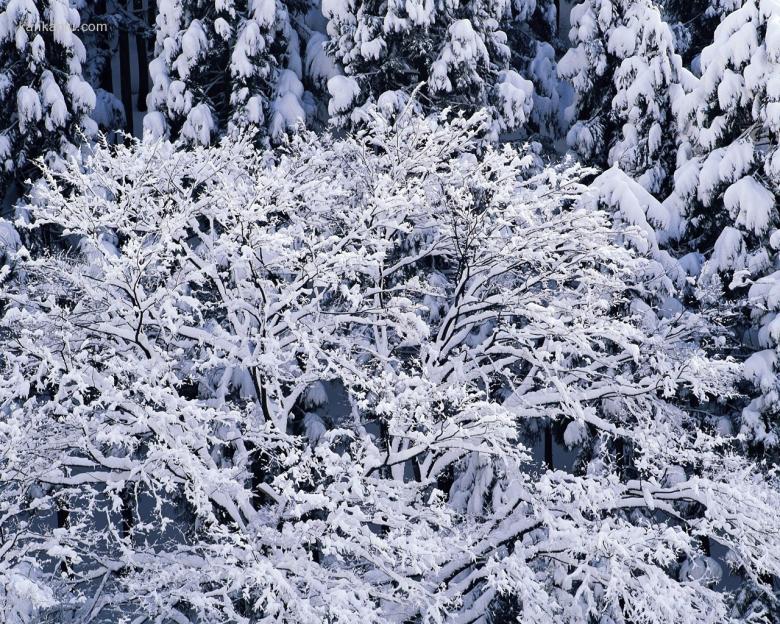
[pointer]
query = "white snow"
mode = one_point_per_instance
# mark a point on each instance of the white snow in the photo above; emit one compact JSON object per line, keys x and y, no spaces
{"x":750,"y":204}
{"x":199,"y":125}
{"x":28,"y":105}
{"x":343,"y":90}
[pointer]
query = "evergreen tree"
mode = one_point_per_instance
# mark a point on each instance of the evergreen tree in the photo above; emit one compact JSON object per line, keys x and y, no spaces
{"x":45,"y":102}
{"x":693,"y":22}
{"x":727,"y":187}
{"x":468,"y":55}
{"x":226,"y":65}
{"x":625,"y":73}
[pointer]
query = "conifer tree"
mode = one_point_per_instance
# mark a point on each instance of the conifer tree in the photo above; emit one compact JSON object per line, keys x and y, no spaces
{"x":45,"y":102}
{"x":467,"y":56}
{"x":727,"y":186}
{"x":693,"y":22}
{"x":227,"y":65}
{"x":625,"y":74}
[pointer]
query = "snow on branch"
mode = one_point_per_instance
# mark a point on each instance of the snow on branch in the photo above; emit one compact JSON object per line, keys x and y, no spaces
{"x":291,"y":385}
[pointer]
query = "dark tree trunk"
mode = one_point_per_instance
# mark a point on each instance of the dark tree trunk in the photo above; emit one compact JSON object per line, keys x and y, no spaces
{"x":620,"y":455}
{"x":63,"y":515}
{"x":548,"y":446}
{"x":143,"y":60}
{"x":106,"y":75}
{"x":128,"y":515}
{"x":124,"y":76}
{"x":705,"y":545}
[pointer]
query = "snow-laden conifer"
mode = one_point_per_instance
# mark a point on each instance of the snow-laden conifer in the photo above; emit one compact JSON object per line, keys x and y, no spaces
{"x":222,"y":66}
{"x":45,"y":102}
{"x":626,"y":76}
{"x":727,"y":184}
{"x":467,"y":56}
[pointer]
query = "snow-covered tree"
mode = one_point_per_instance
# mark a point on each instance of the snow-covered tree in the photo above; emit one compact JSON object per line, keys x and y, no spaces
{"x":222,"y":66}
{"x":693,"y":22}
{"x":288,"y":388}
{"x":626,"y":76}
{"x":646,"y":225}
{"x":727,"y":186}
{"x":45,"y":102}
{"x":468,"y":56}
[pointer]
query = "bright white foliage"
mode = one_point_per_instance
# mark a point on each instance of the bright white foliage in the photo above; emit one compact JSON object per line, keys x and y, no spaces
{"x":644,"y":224}
{"x":174,"y":368}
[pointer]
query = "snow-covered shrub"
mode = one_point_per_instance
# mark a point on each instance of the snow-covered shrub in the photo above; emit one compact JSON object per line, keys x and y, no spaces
{"x":160,"y":380}
{"x":626,"y":76}
{"x":467,"y":55}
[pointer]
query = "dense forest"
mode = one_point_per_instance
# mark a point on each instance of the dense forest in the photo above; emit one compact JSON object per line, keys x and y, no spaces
{"x":389,"y":311}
